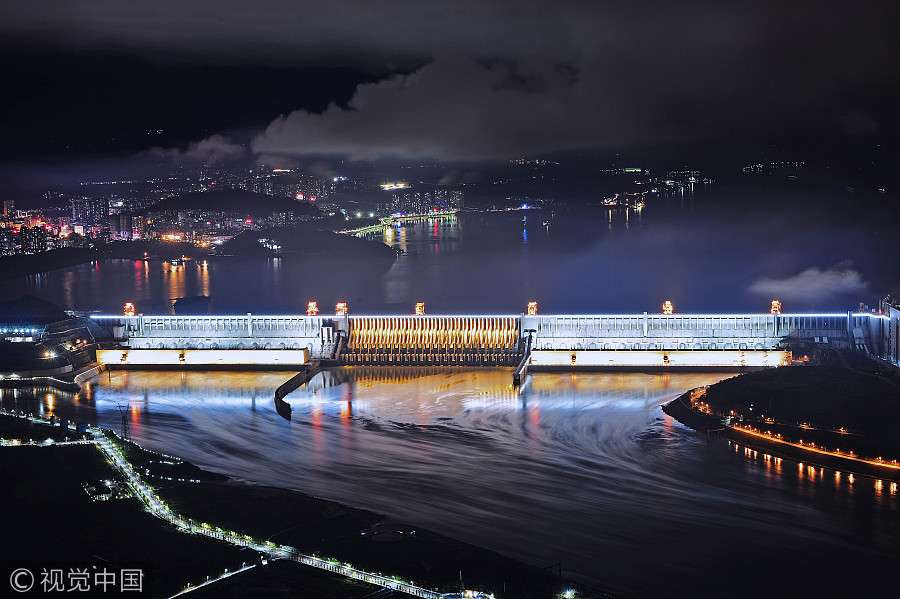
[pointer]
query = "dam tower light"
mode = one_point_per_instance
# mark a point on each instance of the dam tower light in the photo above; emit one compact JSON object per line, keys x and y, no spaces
{"x":420,"y":308}
{"x":312,"y":309}
{"x":340,"y":309}
{"x":776,"y":307}
{"x":667,"y":307}
{"x":532,"y":308}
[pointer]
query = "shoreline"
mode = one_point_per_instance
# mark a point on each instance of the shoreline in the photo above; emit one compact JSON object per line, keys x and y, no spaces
{"x":680,"y":410}
{"x":19,"y":266}
{"x":319,"y":526}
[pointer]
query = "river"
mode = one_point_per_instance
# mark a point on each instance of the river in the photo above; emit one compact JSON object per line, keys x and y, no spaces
{"x":582,"y":469}
{"x":708,"y":256}
{"x":579,"y":469}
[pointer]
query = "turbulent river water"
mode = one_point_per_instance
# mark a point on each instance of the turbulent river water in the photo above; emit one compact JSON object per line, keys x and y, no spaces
{"x":579,"y":469}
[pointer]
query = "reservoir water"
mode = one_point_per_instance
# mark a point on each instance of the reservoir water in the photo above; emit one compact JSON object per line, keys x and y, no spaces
{"x":712,"y":255}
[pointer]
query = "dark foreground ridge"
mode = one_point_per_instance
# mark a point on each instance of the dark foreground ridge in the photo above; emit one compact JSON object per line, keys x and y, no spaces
{"x":45,"y":487}
{"x":840,"y":413}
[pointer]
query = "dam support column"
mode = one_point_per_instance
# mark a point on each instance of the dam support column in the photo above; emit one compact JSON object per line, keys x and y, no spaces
{"x":522,"y":368}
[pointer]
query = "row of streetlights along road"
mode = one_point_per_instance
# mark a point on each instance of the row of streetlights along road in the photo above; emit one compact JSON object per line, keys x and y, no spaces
{"x":158,"y":508}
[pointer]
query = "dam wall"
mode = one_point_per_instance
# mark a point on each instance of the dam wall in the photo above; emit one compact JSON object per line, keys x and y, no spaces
{"x":500,"y":340}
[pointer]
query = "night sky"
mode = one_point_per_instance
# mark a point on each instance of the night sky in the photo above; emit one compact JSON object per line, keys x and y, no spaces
{"x":208,"y":81}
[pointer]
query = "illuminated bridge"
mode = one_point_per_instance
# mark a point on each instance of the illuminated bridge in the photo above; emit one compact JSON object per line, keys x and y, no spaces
{"x":536,"y":341}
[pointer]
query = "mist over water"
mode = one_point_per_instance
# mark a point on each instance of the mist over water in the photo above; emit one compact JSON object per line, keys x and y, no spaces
{"x":582,"y":469}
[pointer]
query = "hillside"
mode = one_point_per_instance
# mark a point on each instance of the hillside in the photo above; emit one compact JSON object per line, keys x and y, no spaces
{"x":233,"y":200}
{"x":29,"y":311}
{"x":310,"y":241}
{"x":846,"y":391}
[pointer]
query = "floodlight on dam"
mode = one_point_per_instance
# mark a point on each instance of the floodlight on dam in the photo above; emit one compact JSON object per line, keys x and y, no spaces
{"x":129,"y":309}
{"x":340,"y":309}
{"x":776,"y":307}
{"x":668,"y":308}
{"x":532,"y":308}
{"x":312,"y":309}
{"x":420,"y":308}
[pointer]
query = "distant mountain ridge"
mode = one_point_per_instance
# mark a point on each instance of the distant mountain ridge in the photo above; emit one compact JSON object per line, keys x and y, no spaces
{"x":233,"y":200}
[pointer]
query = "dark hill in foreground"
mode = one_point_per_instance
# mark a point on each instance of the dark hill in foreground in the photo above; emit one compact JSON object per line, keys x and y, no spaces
{"x":30,"y":311}
{"x":233,"y":200}
{"x":845,"y":391}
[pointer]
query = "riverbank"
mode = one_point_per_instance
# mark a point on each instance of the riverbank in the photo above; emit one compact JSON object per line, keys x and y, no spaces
{"x":52,"y":522}
{"x":799,"y":411}
{"x":23,"y":265}
{"x":307,"y":241}
{"x":309,"y":524}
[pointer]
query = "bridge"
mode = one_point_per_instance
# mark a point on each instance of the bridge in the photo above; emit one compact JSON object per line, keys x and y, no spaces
{"x":527,"y":341}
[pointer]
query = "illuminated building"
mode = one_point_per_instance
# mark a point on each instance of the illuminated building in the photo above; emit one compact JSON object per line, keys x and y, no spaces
{"x":90,"y":210}
{"x":422,"y":200}
{"x":121,"y":226}
{"x":34,"y":239}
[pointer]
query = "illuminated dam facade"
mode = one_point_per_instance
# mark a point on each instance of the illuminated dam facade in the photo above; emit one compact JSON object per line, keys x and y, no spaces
{"x":641,"y":340}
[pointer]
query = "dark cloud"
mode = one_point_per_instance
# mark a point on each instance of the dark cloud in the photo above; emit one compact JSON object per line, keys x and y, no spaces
{"x":858,"y":124}
{"x":215,"y":149}
{"x":452,"y":108}
{"x":474,"y":80}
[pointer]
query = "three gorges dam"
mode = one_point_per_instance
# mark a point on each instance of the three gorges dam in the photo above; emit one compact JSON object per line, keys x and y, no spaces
{"x":524,"y":341}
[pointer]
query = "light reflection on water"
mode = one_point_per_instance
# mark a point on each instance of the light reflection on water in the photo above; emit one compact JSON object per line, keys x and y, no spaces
{"x":578,"y":468}
{"x":586,"y":260}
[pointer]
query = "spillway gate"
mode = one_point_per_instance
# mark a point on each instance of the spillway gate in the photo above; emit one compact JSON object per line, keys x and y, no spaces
{"x":433,"y":340}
